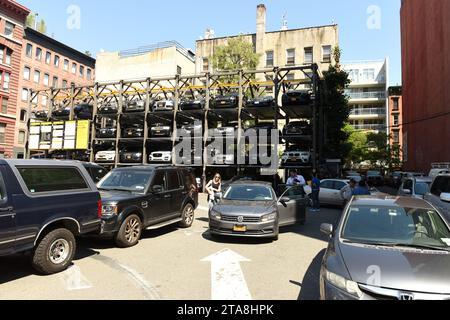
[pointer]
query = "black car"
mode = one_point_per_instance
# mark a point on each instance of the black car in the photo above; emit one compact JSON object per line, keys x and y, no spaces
{"x":62,"y":113}
{"x":147,"y":197}
{"x":297,"y":98}
{"x":108,"y":108}
{"x":136,"y":131}
{"x":134,"y":106}
{"x":104,"y":145}
{"x":193,"y":104}
{"x":260,"y":102}
{"x":226,"y":101}
{"x":298,"y":129}
{"x":131,"y":156}
{"x":106,"y":133}
{"x":95,"y":171}
{"x":83,"y":111}
{"x":160,"y":130}
{"x":44,"y":205}
{"x":40,"y":115}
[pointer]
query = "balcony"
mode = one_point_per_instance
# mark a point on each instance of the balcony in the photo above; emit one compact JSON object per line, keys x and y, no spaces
{"x":369,"y":127}
{"x":368,"y":112}
{"x":366,"y":95}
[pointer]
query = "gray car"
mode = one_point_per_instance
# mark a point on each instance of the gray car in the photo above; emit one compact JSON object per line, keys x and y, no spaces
{"x":439,"y":194}
{"x":415,"y":187}
{"x":387,"y":248}
{"x":252,"y":209}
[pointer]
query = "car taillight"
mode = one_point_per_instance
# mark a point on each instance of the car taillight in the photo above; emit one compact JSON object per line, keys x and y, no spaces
{"x":99,"y":208}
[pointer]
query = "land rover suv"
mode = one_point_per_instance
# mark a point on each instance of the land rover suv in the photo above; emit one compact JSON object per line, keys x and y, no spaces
{"x":146,"y":197}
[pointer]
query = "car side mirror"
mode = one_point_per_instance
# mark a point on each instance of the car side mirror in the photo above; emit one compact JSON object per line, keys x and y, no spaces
{"x":284,"y":201}
{"x":407,"y":191}
{"x":327,"y":229}
{"x":157,"y":189}
{"x":445,"y":197}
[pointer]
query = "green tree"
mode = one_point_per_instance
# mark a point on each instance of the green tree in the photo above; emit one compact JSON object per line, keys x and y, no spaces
{"x":42,"y":26}
{"x":31,"y":23}
{"x":336,"y":110}
{"x":357,"y":144}
{"x":237,"y":54}
{"x":31,"y":20}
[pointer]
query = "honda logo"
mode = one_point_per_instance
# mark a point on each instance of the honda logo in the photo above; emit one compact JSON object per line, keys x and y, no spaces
{"x":406,"y":296}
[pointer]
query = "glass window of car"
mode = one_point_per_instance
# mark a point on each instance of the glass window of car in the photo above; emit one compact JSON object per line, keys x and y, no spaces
{"x":408,"y":185}
{"x":42,"y":179}
{"x":248,"y":193}
{"x":173,"y":180}
{"x":440,"y":185}
{"x":2,"y":189}
{"x":339,"y":185}
{"x":126,"y":180}
{"x":98,"y":174}
{"x":159,"y":179}
{"x":395,"y":226}
{"x":422,"y":188}
{"x":295,"y":193}
{"x":328,"y":184}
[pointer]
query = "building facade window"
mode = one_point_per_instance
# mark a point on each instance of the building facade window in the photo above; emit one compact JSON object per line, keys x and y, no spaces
{"x":48,"y":57}
{"x":37,"y":76}
{"x":66,"y":65}
{"x":56,"y":61}
{"x":38,"y":54}
{"x":4,"y":79}
{"x":395,"y":104}
{"x":353,"y":75}
{"x":9,"y":29}
{"x":82,"y":71}
{"x":64,"y":84}
{"x":29,"y":50}
{"x":46,"y":79}
{"x":369,"y":74}
{"x":2,"y":133}
{"x":21,"y":139}
{"x":44,"y":100}
{"x":74,"y":68}
{"x":290,"y":54}
{"x":55,"y":82}
{"x":26,"y":73}
{"x":179,"y":70}
{"x":205,"y":65}
{"x":309,"y":55}
{"x":5,"y":55}
{"x":4,"y":105}
{"x":23,"y":115}
{"x":290,"y":77}
{"x":89,"y":74}
{"x":396,"y":136}
{"x":396,"y":121}
{"x":326,"y":54}
{"x":24,"y":94}
{"x":269,"y":58}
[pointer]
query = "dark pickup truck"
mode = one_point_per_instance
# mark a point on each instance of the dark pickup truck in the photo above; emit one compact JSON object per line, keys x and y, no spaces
{"x":146,"y":197}
{"x":44,"y":205}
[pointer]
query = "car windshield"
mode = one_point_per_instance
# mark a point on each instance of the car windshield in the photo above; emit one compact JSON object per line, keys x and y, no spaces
{"x":396,"y":226}
{"x":422,"y":188}
{"x":248,"y":193}
{"x":126,"y":180}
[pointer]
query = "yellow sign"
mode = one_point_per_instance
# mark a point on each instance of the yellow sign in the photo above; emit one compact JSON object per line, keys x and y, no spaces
{"x":82,"y":135}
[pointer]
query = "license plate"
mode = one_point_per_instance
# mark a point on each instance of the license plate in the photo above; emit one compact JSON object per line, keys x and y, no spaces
{"x":158,"y":131}
{"x":256,"y":102}
{"x":240,"y":229}
{"x":129,"y":157}
{"x":293,"y":99}
{"x":223,"y":102}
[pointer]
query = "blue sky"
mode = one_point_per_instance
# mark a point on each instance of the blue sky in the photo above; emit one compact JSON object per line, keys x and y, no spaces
{"x":118,"y":25}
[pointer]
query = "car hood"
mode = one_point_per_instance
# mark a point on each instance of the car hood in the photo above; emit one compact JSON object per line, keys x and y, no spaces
{"x":118,"y":196}
{"x":245,"y":207}
{"x":400,"y":269}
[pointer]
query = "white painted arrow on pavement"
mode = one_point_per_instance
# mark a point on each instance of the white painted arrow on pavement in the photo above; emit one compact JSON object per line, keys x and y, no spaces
{"x":227,"y":278}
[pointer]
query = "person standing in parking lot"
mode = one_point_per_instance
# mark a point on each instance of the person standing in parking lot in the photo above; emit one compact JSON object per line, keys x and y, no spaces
{"x":295,"y":179}
{"x":213,"y":187}
{"x":315,"y":188}
{"x":347,"y":191}
{"x":362,"y":189}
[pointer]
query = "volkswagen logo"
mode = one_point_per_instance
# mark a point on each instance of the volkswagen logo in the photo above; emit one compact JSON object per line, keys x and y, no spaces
{"x":406,"y":296}
{"x":240,"y":219}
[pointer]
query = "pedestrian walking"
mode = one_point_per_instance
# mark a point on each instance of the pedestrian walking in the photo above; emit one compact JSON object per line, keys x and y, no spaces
{"x":347,"y":191}
{"x":214,"y":187}
{"x":315,"y":187}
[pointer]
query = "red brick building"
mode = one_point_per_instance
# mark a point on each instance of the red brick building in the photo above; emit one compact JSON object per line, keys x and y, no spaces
{"x":395,"y":112}
{"x":426,"y":82}
{"x":12,"y":21}
{"x":47,"y":63}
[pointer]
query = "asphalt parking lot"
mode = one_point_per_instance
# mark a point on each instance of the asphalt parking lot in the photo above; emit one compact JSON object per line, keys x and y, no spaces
{"x":179,"y":264}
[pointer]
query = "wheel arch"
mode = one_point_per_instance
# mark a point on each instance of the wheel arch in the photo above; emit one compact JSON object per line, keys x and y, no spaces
{"x":65,"y":222}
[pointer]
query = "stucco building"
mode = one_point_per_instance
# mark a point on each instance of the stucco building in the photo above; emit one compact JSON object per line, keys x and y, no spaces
{"x":12,"y":21}
{"x":164,"y":59}
{"x":286,"y":47}
{"x":425,"y":34}
{"x":46,"y":63}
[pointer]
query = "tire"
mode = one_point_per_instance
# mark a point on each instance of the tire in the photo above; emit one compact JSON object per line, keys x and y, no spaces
{"x":129,"y":233}
{"x":187,"y":216}
{"x":55,"y":252}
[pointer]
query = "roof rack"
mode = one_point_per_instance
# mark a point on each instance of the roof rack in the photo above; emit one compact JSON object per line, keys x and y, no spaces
{"x":440,"y":165}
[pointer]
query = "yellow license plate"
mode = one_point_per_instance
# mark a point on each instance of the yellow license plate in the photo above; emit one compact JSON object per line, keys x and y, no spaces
{"x":240,"y":229}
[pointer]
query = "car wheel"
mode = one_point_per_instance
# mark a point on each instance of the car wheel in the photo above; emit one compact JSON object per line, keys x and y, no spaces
{"x":187,"y":217}
{"x":130,"y":232}
{"x":54,"y":253}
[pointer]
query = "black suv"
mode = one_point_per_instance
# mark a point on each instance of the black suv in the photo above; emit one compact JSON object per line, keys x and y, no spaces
{"x":44,"y":205}
{"x":146,"y":197}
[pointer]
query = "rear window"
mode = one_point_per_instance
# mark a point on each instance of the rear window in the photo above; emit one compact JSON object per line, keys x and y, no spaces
{"x":441,"y":185}
{"x":42,"y":179}
{"x":173,"y":180}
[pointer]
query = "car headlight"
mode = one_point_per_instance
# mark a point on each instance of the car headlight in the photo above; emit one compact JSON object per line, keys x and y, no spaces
{"x":109,"y":210}
{"x":343,"y":284}
{"x":216,"y":215}
{"x":269,"y":217}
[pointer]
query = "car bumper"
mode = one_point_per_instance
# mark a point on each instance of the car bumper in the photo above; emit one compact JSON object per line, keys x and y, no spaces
{"x":109,"y":226}
{"x":91,"y":227}
{"x":160,"y":133}
{"x":254,"y":230}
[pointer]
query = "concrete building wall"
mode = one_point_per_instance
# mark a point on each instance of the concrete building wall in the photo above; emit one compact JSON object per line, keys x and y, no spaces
{"x":11,"y":45}
{"x":112,"y":66}
{"x":425,"y":33}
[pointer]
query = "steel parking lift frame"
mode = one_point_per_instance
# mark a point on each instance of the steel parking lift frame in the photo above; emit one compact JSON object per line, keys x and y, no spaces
{"x":251,"y":83}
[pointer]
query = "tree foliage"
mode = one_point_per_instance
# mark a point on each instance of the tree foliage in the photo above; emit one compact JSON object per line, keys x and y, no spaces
{"x":41,"y":26}
{"x":237,"y":54}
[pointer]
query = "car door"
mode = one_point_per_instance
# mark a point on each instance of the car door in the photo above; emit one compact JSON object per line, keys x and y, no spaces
{"x":7,"y":221}
{"x":408,"y":184}
{"x":326,"y":192}
{"x":293,"y":211}
{"x":337,"y":198}
{"x":158,"y":205}
{"x":175,"y":192}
